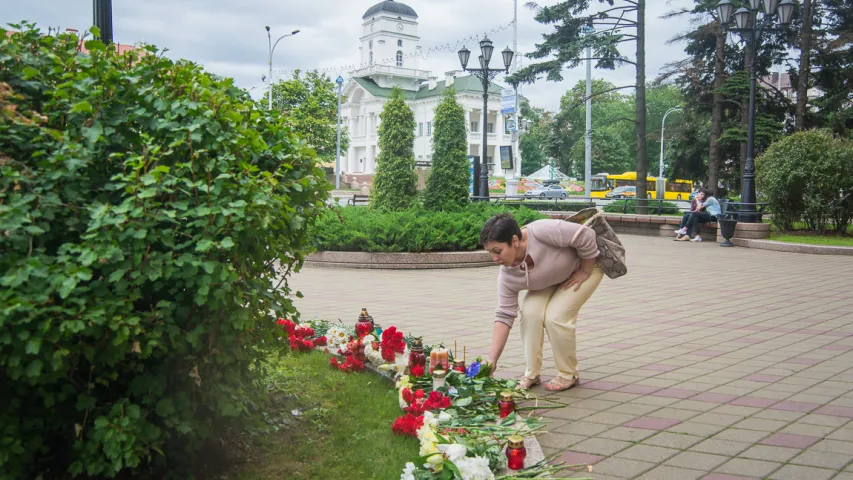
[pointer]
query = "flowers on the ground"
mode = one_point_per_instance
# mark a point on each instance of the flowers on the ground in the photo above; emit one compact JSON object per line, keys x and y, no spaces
{"x":474,"y":468}
{"x":338,"y":337}
{"x":349,"y":365}
{"x":392,"y":344}
{"x":417,"y":371}
{"x":408,"y":425}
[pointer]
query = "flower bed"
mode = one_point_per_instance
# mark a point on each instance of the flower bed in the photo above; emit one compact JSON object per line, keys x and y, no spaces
{"x":462,"y":427}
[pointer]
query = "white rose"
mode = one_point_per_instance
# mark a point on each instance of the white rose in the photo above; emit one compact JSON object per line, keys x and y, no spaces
{"x":444,"y":417}
{"x":408,"y":472}
{"x":454,"y":451}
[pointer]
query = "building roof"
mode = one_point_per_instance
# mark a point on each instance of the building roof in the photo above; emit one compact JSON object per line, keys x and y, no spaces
{"x":390,"y":6}
{"x":466,"y":84}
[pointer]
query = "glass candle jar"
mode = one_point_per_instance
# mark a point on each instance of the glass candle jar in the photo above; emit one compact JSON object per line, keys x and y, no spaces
{"x":515,"y":452}
{"x":506,"y":404}
{"x":417,"y":356}
{"x":438,"y":379}
{"x":459,"y":366}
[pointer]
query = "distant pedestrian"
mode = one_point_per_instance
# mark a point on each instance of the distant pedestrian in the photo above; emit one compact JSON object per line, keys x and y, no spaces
{"x":707,"y":211}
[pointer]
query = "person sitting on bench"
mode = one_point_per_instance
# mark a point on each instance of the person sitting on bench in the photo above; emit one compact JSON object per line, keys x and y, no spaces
{"x":707,"y":211}
{"x":694,"y":203}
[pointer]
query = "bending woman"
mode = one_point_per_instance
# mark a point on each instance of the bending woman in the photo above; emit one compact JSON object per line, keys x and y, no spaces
{"x":554,"y":261}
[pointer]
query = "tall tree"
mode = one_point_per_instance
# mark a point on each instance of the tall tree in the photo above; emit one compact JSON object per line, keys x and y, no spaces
{"x":395,"y":181}
{"x":447,"y":186}
{"x":310,"y":106}
{"x":531,"y":143}
{"x":833,"y":63}
{"x":803,"y":75}
{"x":566,"y":46}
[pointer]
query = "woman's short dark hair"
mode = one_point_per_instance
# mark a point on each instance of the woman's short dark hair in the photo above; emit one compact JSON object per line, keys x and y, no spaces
{"x":708,"y":192}
{"x":500,"y":228}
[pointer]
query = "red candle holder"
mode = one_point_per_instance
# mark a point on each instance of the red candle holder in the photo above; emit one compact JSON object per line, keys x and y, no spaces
{"x":515,"y":452}
{"x":506,"y":404}
{"x":459,"y":366}
{"x":417,"y":356}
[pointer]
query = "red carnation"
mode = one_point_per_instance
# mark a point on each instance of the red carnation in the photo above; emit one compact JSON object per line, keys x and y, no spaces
{"x":437,"y":401}
{"x":408,"y":396}
{"x":418,"y":370}
{"x":408,"y":425}
{"x":321,"y":341}
{"x":419,"y":394}
{"x":416,"y":408}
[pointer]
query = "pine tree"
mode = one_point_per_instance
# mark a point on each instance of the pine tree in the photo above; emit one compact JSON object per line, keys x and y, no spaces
{"x":447,"y":187}
{"x":395,"y":182}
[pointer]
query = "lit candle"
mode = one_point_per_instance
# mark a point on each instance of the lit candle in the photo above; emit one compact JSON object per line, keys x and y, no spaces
{"x":515,"y":452}
{"x":506,"y":404}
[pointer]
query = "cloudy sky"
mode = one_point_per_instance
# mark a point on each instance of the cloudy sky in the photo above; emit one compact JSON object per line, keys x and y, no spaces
{"x":229,"y":39}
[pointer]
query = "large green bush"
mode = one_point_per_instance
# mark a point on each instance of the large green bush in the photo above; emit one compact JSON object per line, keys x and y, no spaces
{"x":145,"y":208}
{"x":447,"y":186}
{"x":395,"y":183}
{"x":808,"y":176}
{"x":359,"y":229}
{"x":630,"y":206}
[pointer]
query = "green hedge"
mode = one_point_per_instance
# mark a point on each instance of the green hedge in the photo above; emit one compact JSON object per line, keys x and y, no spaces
{"x":362,"y":229}
{"x":544,"y":205}
{"x":808,"y":176}
{"x":618,"y":206}
{"x":144,"y":207}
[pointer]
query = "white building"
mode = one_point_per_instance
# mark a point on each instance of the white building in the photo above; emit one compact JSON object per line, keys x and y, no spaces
{"x":390,"y":47}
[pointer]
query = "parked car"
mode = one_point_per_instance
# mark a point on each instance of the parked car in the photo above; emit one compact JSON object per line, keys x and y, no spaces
{"x":622,"y":192}
{"x":547,"y":191}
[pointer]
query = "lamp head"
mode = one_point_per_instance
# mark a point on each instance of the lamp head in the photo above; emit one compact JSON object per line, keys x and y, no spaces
{"x":464,"y":55}
{"x":486,"y":48}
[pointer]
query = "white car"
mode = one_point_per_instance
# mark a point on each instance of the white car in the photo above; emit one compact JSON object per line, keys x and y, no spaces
{"x":547,"y":191}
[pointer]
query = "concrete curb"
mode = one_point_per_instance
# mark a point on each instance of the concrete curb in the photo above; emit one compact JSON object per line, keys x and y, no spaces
{"x":400,"y":261}
{"x":792,"y":247}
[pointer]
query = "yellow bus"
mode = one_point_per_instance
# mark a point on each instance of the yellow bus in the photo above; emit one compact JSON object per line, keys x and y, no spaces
{"x":605,"y":183}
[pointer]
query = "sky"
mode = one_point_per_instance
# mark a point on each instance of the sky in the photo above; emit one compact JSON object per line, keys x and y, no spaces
{"x":228,"y":37}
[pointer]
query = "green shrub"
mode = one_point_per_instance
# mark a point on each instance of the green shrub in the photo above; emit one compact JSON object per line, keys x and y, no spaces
{"x":144,"y":209}
{"x":808,"y":176}
{"x":547,"y":206}
{"x":619,"y":206}
{"x":416,"y":230}
{"x":447,"y":185}
{"x":395,"y":183}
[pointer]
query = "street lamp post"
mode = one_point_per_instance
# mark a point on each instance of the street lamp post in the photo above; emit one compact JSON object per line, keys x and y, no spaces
{"x":340,"y":82}
{"x":662,"y":130}
{"x":485,"y":74}
{"x":272,"y":49}
{"x":750,"y":28}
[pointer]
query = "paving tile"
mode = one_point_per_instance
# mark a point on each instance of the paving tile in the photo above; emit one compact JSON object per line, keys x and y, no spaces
{"x":666,"y":472}
{"x":627,"y":434}
{"x":761,"y":424}
{"x":721,"y":447}
{"x":648,"y":453}
{"x":717,"y":419}
{"x":798,"y":472}
{"x":579,"y":458}
{"x":724,"y":476}
{"x":675,"y":393}
{"x":790,"y":440}
{"x":770,"y":453}
{"x":652,"y":423}
{"x":752,"y":402}
{"x":559,"y":441}
{"x":609,"y":418}
{"x":622,"y":467}
{"x":693,"y":428}
{"x":835,"y":411}
{"x":741,"y":435}
{"x":582,"y":428}
{"x":750,"y":468}
{"x":834,"y":446}
{"x":817,"y":458}
{"x":673,"y":440}
{"x":601,"y":446}
{"x":697,"y":460}
{"x":791,"y":406}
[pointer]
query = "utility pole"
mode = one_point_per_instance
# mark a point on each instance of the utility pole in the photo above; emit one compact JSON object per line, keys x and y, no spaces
{"x":340,"y":82}
{"x":587,"y":171}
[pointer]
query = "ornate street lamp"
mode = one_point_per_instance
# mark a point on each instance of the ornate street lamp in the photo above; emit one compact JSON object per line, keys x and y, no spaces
{"x":485,"y":74}
{"x":750,"y":28}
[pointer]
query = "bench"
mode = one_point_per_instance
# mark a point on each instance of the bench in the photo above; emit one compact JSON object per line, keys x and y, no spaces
{"x":359,"y":199}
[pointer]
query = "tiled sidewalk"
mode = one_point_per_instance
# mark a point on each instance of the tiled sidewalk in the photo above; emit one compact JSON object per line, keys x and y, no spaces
{"x":701,"y":363}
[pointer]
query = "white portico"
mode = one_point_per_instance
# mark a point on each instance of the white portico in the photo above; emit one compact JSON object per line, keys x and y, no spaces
{"x":390,"y":49}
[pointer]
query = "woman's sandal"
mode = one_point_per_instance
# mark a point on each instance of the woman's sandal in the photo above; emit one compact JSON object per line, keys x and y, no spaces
{"x":527,"y":382}
{"x":558,"y":384}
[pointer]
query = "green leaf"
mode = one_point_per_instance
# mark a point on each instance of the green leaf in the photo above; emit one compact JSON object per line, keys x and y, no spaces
{"x":93,"y":133}
{"x":227,"y":243}
{"x":82,"y":107}
{"x":33,"y":345}
{"x":34,"y":368}
{"x":204,"y":245}
{"x":67,"y":286}
{"x":463,"y":402}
